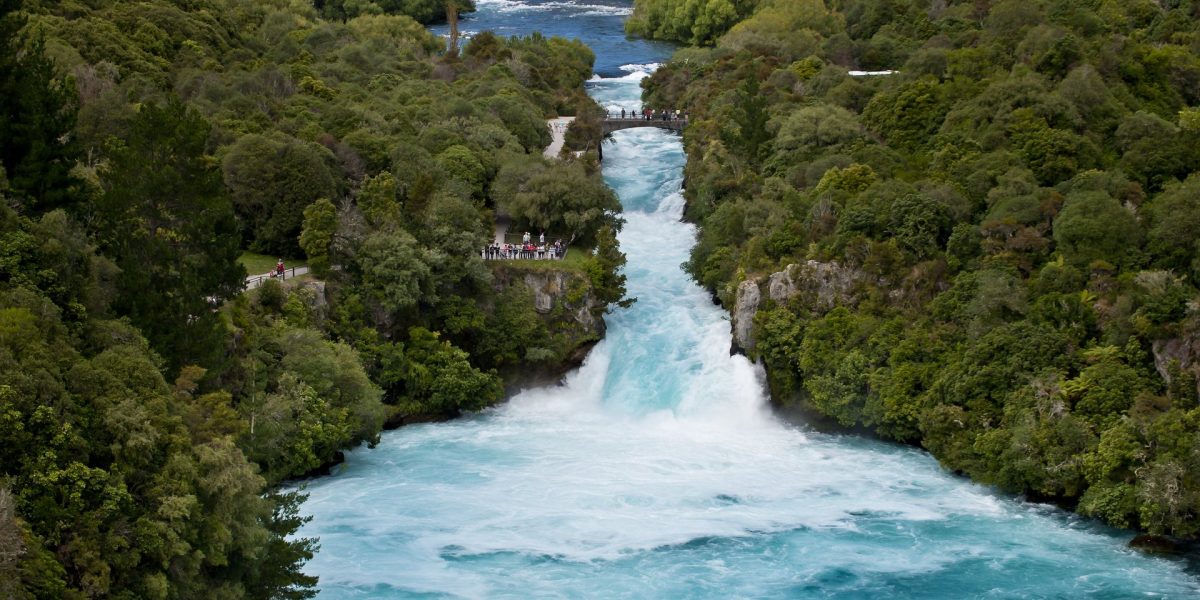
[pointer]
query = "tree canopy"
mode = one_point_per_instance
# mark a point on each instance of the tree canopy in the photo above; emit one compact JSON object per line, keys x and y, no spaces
{"x":1010,"y":214}
{"x":150,"y":406}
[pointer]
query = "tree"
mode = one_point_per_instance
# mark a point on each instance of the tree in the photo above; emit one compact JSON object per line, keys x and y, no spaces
{"x":103,"y":454}
{"x":558,"y":197}
{"x":272,"y":179}
{"x":604,"y":269}
{"x":1174,"y":218}
{"x":749,"y":134}
{"x":1094,"y":226}
{"x":294,"y":430}
{"x":168,"y":225}
{"x":452,"y":19}
{"x":696,"y":22}
{"x":1105,"y":389}
{"x":423,"y":11}
{"x":394,"y":272}
{"x":320,"y":224}
{"x":919,"y":224}
{"x":439,"y":378}
{"x":377,"y":200}
{"x":789,"y":30}
{"x":460,"y":163}
{"x":908,"y":115}
{"x":38,"y":111}
{"x":451,"y":234}
{"x":1154,"y":151}
{"x":1189,"y":120}
{"x":818,"y":128}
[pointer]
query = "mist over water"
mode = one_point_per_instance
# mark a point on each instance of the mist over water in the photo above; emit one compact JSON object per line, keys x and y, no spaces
{"x":657,"y":471}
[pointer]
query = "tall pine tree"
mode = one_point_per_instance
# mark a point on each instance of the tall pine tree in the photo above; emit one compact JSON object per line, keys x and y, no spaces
{"x":169,"y":225}
{"x":37,"y":114}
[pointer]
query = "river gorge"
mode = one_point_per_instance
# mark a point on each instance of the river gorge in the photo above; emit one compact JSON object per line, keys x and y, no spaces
{"x":657,"y":469}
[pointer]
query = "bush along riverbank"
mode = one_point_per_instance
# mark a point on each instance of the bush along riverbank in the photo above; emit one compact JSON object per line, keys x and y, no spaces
{"x":989,"y":253}
{"x":148,"y":407}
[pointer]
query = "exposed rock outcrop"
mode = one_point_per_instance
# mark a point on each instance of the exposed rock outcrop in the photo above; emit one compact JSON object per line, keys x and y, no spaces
{"x":820,"y":286}
{"x":1155,"y":544}
{"x":563,"y":299}
{"x":745,"y":307}
{"x":1181,"y":354}
{"x":553,"y":288}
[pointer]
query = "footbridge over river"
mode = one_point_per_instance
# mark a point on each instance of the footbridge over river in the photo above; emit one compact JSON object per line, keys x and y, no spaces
{"x":614,"y":122}
{"x":617,"y":123}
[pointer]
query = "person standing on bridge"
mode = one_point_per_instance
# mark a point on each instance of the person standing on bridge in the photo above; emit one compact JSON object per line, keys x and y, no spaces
{"x":622,"y":113}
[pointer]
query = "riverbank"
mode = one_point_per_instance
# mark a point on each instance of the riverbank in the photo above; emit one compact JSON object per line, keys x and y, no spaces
{"x":903,"y":258}
{"x":657,"y":469}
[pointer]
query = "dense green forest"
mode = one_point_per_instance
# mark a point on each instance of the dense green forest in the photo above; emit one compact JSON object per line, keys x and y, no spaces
{"x":1008,"y":226}
{"x":423,"y":11}
{"x":148,"y":407}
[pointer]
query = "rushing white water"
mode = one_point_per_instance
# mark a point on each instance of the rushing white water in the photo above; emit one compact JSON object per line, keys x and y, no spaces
{"x":657,"y":471}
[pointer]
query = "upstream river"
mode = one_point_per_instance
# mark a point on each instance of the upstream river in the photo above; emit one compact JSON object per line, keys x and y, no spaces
{"x":657,"y":470}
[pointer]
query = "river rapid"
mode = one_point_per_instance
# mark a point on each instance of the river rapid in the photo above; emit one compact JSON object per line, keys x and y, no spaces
{"x":657,"y":469}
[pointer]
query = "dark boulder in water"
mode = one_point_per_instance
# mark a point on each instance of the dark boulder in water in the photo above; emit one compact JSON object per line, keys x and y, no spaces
{"x":1155,"y":544}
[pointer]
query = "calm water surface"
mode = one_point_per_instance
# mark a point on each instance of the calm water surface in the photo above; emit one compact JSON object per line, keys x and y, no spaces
{"x":658,"y":472}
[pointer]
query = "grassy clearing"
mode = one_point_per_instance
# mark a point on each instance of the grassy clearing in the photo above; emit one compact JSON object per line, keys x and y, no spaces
{"x":257,"y":264}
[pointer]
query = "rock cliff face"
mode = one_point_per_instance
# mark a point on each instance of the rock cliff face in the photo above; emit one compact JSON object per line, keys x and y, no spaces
{"x":818,"y":286}
{"x":553,"y":288}
{"x":744,"y":309}
{"x":563,"y":299}
{"x":1179,"y":356}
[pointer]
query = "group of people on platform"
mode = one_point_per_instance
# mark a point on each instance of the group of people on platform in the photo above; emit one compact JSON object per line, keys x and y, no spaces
{"x":650,"y":114}
{"x":526,"y":250}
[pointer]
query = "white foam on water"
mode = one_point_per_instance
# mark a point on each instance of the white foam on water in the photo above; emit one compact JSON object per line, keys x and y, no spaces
{"x":644,"y":68}
{"x":569,"y":9}
{"x":657,"y":470}
{"x":634,"y":76}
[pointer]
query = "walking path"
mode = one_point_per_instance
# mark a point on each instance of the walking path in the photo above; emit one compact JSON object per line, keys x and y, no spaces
{"x":503,"y":222}
{"x":558,"y":129}
{"x":254,"y":281}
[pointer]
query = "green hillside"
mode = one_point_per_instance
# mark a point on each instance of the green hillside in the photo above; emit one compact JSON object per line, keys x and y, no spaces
{"x":148,"y":408}
{"x":1009,"y":220}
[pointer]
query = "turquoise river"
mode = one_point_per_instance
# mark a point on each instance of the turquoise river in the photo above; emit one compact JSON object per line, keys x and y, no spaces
{"x":657,"y":469}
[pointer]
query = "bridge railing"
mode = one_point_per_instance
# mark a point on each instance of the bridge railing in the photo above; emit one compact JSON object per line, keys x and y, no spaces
{"x":631,"y":116}
{"x":518,"y":237}
{"x":518,"y":252}
{"x":256,"y":280}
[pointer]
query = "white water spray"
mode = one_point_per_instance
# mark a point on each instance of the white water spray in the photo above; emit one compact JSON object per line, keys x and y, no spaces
{"x":656,"y":471}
